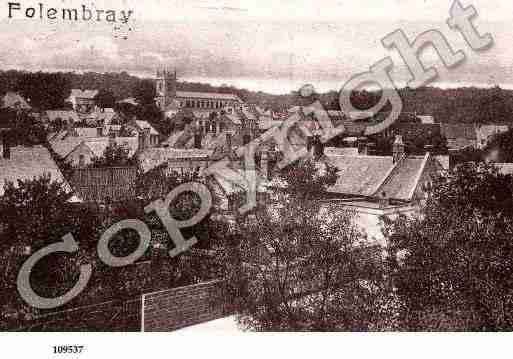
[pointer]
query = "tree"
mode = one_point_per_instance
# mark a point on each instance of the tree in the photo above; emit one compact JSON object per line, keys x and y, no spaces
{"x":144,"y":92}
{"x":105,"y":99}
{"x":294,"y":263}
{"x":35,"y":214}
{"x":452,"y":264}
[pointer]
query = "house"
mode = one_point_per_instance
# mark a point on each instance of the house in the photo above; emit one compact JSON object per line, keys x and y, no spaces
{"x":100,"y":117}
{"x":486,"y":133}
{"x":459,"y":136}
{"x":83,"y":101}
{"x":60,"y":117}
{"x":14,"y":101}
{"x":375,"y":186}
{"x":27,"y":163}
{"x":139,"y":127}
{"x":178,"y":160}
{"x":87,"y":150}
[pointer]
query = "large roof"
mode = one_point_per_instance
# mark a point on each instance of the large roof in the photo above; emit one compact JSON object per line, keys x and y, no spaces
{"x":360,"y":175}
{"x":154,"y":157}
{"x":403,"y":180}
{"x":208,"y":95}
{"x":27,"y":163}
{"x":378,"y":176}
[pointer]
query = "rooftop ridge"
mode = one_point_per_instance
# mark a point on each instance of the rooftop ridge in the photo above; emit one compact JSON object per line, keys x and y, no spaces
{"x":419,"y":175}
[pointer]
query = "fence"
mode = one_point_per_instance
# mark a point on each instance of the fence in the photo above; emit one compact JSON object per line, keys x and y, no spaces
{"x":181,"y":307}
{"x":165,"y":310}
{"x":112,"y":316}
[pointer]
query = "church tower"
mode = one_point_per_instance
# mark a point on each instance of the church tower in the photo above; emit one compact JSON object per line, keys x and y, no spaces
{"x":165,"y":84}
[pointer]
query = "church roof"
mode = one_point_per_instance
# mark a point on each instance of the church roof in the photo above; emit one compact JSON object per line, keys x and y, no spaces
{"x":208,"y":95}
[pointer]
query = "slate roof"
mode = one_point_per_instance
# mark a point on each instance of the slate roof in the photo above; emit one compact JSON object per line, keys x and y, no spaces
{"x":64,"y":146}
{"x":28,"y":163}
{"x":403,"y":179}
{"x":154,"y":157}
{"x":461,"y":130}
{"x":360,"y":175}
{"x":373,"y":176}
{"x":14,"y":100}
{"x":208,"y":95}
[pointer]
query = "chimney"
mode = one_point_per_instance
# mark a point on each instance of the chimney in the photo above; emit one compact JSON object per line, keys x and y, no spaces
{"x":398,"y":148}
{"x":246,"y":139}
{"x":264,"y":164}
{"x":112,"y":139}
{"x":362,"y":148}
{"x":6,"y":148}
{"x":146,"y":137}
{"x":309,"y":143}
{"x":197,"y":139}
{"x":141,"y":142}
{"x":228,"y":141}
{"x":318,"y":147}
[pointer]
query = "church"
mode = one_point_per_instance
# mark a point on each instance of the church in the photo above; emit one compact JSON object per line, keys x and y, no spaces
{"x":170,"y":100}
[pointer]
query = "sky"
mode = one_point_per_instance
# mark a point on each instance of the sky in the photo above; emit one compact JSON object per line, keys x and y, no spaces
{"x":264,"y":45}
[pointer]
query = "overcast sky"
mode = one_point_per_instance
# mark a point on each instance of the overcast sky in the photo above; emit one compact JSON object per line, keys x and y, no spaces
{"x":267,"y":45}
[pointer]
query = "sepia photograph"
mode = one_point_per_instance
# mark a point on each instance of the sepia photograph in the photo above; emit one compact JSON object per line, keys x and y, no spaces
{"x":231,"y":167}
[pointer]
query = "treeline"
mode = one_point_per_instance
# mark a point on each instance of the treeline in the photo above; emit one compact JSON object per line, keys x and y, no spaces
{"x":462,"y":105}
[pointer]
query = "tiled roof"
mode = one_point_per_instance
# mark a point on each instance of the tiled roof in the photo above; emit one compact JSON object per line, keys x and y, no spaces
{"x":208,"y":95}
{"x":28,"y":163}
{"x":102,"y":184}
{"x":360,"y":175}
{"x":64,"y":146}
{"x":154,"y":157}
{"x":403,"y":179}
{"x":14,"y":100}
{"x":375,"y":176}
{"x":63,"y":115}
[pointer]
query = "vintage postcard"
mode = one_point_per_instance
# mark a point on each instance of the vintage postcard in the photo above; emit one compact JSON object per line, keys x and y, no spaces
{"x":230,"y":166}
